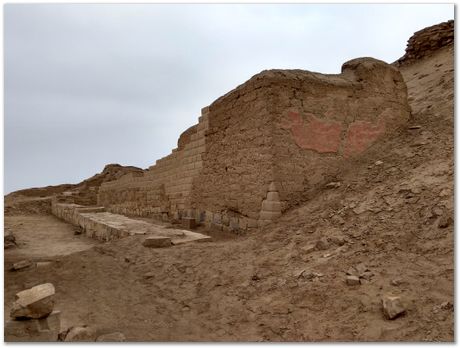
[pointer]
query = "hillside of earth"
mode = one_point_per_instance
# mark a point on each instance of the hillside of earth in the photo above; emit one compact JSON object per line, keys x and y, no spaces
{"x":37,"y":200}
{"x":387,"y":218}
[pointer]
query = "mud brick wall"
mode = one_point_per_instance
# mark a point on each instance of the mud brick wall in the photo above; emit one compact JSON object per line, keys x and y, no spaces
{"x":323,"y":120}
{"x":428,"y":41}
{"x":266,"y":145}
{"x":238,"y":162}
{"x":166,"y":186}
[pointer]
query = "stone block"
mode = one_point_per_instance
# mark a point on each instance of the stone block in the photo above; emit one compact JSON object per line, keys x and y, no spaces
{"x":21,"y":265}
{"x":157,"y":242}
{"x":271,"y":206}
{"x":189,"y":223}
{"x":34,"y":303}
{"x":234,"y":224}
{"x":392,"y":306}
{"x":243,"y":223}
{"x":269,"y":215}
{"x":251,"y":223}
{"x":273,"y":196}
{"x":216,"y":218}
{"x":80,"y":334}
{"x":273,"y":187}
{"x":352,"y":280}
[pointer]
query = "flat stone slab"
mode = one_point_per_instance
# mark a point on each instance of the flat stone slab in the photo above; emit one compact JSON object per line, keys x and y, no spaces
{"x":106,"y":226}
{"x":34,"y":303}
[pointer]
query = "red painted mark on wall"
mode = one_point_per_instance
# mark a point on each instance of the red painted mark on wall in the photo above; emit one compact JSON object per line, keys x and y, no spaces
{"x":324,"y":136}
{"x":361,"y":135}
{"x":321,"y":136}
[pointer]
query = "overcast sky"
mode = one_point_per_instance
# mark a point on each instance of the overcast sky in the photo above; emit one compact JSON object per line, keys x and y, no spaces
{"x":87,"y":85}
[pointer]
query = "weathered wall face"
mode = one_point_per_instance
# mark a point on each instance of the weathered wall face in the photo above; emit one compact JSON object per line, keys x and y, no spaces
{"x":166,"y":186}
{"x":265,"y":145}
{"x":237,"y":164}
{"x":323,"y":120}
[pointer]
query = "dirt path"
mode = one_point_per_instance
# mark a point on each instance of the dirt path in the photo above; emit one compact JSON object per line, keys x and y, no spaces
{"x":42,"y":237}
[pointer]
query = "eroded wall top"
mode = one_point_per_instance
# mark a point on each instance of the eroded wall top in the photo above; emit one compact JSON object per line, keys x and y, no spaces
{"x":428,"y":40}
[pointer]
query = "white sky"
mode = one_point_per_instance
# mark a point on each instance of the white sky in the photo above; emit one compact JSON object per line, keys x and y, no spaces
{"x":87,"y":85}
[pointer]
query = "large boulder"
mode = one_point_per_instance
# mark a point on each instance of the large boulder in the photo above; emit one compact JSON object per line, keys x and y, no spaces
{"x":34,"y":303}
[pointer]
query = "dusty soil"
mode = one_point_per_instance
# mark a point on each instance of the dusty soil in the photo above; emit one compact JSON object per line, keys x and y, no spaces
{"x":393,"y":212}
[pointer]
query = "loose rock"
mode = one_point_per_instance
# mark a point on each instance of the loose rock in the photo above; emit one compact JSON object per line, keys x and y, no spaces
{"x":392,"y":306}
{"x":79,"y":334}
{"x":446,"y":305}
{"x":21,"y":265}
{"x":322,"y":244}
{"x":444,"y":221}
{"x":34,"y":303}
{"x":353,"y":280}
{"x":149,"y":275}
{"x":332,"y":185}
{"x":308,"y":249}
{"x":9,"y":241}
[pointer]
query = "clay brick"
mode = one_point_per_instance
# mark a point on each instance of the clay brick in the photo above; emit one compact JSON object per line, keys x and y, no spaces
{"x":273,"y":196}
{"x":269,"y":215}
{"x":189,"y":223}
{"x":273,"y":187}
{"x":251,"y":223}
{"x":271,"y":206}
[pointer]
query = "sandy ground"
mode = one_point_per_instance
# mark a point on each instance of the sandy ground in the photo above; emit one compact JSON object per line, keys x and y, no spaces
{"x":395,"y":217}
{"x":42,"y":237}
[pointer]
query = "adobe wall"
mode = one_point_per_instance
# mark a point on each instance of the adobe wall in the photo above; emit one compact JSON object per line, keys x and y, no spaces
{"x":166,"y":186}
{"x":238,"y":162}
{"x":265,"y":145}
{"x":323,"y":120}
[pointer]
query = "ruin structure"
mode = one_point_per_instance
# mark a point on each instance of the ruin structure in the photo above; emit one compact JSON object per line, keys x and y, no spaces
{"x":262,"y":147}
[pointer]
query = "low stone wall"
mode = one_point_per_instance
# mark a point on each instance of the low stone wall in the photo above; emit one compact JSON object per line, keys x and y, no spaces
{"x":82,"y":216}
{"x":99,"y":224}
